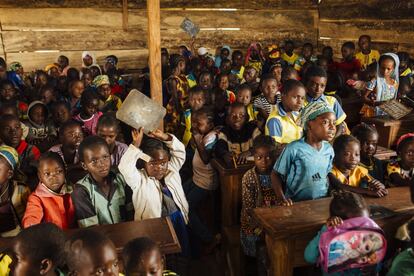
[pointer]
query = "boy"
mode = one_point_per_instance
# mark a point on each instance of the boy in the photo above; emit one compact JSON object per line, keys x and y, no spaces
{"x":349,"y":66}
{"x":196,"y":100}
{"x":366,"y":56}
{"x":107,"y":101}
{"x":289,"y":56}
{"x":8,"y":94}
{"x":101,"y":197}
{"x":307,"y":56}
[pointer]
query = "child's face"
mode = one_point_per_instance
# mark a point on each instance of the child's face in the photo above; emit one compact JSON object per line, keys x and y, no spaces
{"x":21,"y":265}
{"x":38,"y":114}
{"x":349,"y":158}
{"x":277,"y":72}
{"x":307,"y":52}
{"x":323,"y":127}
{"x":54,"y":72}
{"x":9,"y":110}
{"x":87,"y":60}
{"x":8,"y":92}
{"x":324,"y":64}
{"x":51,"y":174}
{"x":158,"y":165}
{"x":62,"y":62}
{"x":151,"y":263}
{"x":293,"y":99}
{"x":91,"y":107}
{"x":316,"y":86}
{"x":387,"y":67}
{"x":224,"y":53}
{"x":236,"y":118}
{"x":47,"y":96}
{"x":238,"y":59}
{"x":101,"y":261}
{"x":201,"y":124}
{"x":60,"y":114}
{"x":104,"y":91}
{"x":196,"y":101}
{"x":327,"y":52}
{"x":6,"y":172}
{"x":269,"y":89}
{"x":77,"y":89}
{"x":97,"y":161}
{"x":224,"y":83}
{"x":364,"y":44}
{"x":72,"y":137}
{"x":407,"y":156}
{"x":109,"y":133}
{"x":250,"y":75}
{"x":347,"y":53}
{"x":11,"y":133}
{"x":244,"y":97}
{"x":289,"y":48}
{"x":369,"y":146}
{"x":181,"y":66}
{"x":87,"y":79}
{"x":205,"y":82}
{"x":41,"y":80}
{"x":225,"y":67}
{"x":263,"y":160}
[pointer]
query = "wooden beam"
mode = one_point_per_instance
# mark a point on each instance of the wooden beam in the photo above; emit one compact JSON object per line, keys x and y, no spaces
{"x":125,"y":15}
{"x":154,"y":49}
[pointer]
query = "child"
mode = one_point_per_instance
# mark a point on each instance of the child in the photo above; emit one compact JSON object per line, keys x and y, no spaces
{"x":205,"y":81}
{"x":89,"y":114}
{"x":289,"y":73}
{"x":204,"y":176}
{"x":347,"y":174}
{"x":368,"y":138}
{"x":289,"y":56}
{"x":76,"y":89}
{"x":158,"y":179}
{"x":8,"y":94}
{"x":11,"y":109}
{"x":101,"y":197}
{"x":222,"y":85}
{"x":349,"y":64}
{"x":41,"y":132}
{"x":38,"y":250}
{"x":282,"y":122}
{"x":237,"y":64}
{"x":366,"y":56}
{"x":51,"y":201}
{"x":385,"y":85}
{"x":108,"y":128}
{"x":60,"y":115}
{"x":403,"y":263}
{"x":244,"y":96}
{"x":250,"y":77}
{"x":87,"y":78}
{"x":344,"y":205}
{"x":142,"y":256}
{"x":400,"y":172}
{"x":225,"y":67}
{"x":236,"y":138}
{"x":196,"y":100}
{"x":47,"y":95}
{"x":404,"y":69}
{"x":89,"y":252}
{"x":296,"y":169}
{"x":307,"y":56}
{"x":267,"y":101}
{"x":257,"y":191}
{"x":13,"y":194}
{"x":107,"y":102}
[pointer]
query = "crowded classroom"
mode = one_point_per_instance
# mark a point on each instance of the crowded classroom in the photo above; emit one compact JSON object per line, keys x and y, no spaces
{"x":284,"y":148}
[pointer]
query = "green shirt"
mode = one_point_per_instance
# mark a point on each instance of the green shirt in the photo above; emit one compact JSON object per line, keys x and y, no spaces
{"x":403,"y":264}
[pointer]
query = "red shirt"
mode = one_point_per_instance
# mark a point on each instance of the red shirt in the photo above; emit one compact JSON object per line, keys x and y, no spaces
{"x":348,"y":68}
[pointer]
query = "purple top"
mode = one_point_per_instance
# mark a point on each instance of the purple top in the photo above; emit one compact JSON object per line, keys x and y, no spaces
{"x":119,"y":150}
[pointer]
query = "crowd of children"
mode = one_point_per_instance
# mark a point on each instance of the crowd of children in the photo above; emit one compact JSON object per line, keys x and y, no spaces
{"x":65,"y":158}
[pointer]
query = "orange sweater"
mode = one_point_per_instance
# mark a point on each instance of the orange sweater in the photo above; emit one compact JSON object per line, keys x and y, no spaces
{"x":45,"y":205}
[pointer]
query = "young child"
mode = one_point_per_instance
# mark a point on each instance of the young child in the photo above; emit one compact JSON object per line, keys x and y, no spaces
{"x":237,"y":64}
{"x":8,"y":94}
{"x":307,"y":56}
{"x":282,"y":122}
{"x":108,"y":128}
{"x":11,"y":109}
{"x":51,"y":201}
{"x":403,"y":263}
{"x":47,"y":95}
{"x":87,"y":78}
{"x":347,"y":174}
{"x":349,"y":64}
{"x":90,"y":252}
{"x":289,"y":73}
{"x":107,"y":102}
{"x":344,"y":205}
{"x":60,"y":115}
{"x":404,"y":68}
{"x":76,"y":89}
{"x":250,"y":77}
{"x":400,"y":172}
{"x":222,"y":85}
{"x":267,"y":101}
{"x":368,"y":138}
{"x":296,"y":169}
{"x":13,"y":194}
{"x":385,"y":86}
{"x":244,"y":96}
{"x":236,"y":138}
{"x":142,"y":256}
{"x":89,"y":114}
{"x":257,"y":191}
{"x":158,"y":178}
{"x":366,"y":55}
{"x":101,"y":197}
{"x":38,"y":250}
{"x":41,"y":132}
{"x":289,"y":56}
{"x":196,"y":100}
{"x":205,"y":81}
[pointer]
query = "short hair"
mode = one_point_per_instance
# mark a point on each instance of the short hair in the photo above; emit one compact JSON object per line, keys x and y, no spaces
{"x":90,"y":143}
{"x":43,"y":241}
{"x":287,"y":71}
{"x":5,"y":106}
{"x":65,"y":58}
{"x":267,"y":77}
{"x":68,"y":124}
{"x":290,"y":85}
{"x":108,"y":120}
{"x":3,"y":83}
{"x":195,"y":90}
{"x":59,"y":103}
{"x":365,"y":36}
{"x":134,"y":251}
{"x":289,"y":42}
{"x":52,"y":156}
{"x":264,"y":141}
{"x":2,"y":62}
{"x":205,"y":73}
{"x":362,"y":131}
{"x":88,"y":95}
{"x":205,"y":111}
{"x":315,"y":71}
{"x":73,"y":74}
{"x":404,"y":57}
{"x":349,"y":45}
{"x":345,"y":204}
{"x":236,"y":52}
{"x":7,"y":118}
{"x":308,"y":44}
{"x":341,"y":141}
{"x":243,"y":86}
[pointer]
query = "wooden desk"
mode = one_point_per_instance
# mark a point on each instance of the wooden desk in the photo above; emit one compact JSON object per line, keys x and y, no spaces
{"x":230,"y":189}
{"x":389,"y":129}
{"x":159,"y":230}
{"x":384,"y":153}
{"x":289,"y":229}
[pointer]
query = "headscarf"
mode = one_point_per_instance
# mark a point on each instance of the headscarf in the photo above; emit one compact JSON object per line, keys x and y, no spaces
{"x":381,"y":83}
{"x":253,"y":46}
{"x":85,"y":54}
{"x":15,"y":66}
{"x":402,"y":138}
{"x":312,"y":111}
{"x":50,"y":66}
{"x":101,"y":80}
{"x":10,"y":155}
{"x":217,"y":60}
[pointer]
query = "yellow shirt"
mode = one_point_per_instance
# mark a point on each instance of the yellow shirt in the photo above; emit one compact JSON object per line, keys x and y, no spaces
{"x":281,"y":127}
{"x":406,"y":72}
{"x":290,"y":59}
{"x":355,"y":178}
{"x":187,"y":132}
{"x":252,"y":113}
{"x":4,"y":265}
{"x":366,"y":60}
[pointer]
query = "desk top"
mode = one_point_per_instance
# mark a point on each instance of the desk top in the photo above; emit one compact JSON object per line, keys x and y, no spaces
{"x":219,"y":165}
{"x":158,"y":229}
{"x":388,"y":121}
{"x":384,"y":153}
{"x":304,"y":216}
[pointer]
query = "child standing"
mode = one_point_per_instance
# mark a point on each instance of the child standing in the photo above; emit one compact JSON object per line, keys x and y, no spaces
{"x":196,"y":100}
{"x":366,"y":56}
{"x":349,"y":64}
{"x":89,"y":114}
{"x":266,"y":102}
{"x":76,"y":89}
{"x":296,"y":168}
{"x":51,"y":201}
{"x":244,"y":96}
{"x":282,"y":122}
{"x":400,"y":172}
{"x":107,"y":101}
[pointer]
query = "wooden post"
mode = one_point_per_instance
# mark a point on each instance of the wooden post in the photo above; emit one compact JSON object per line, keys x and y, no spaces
{"x":125,"y":15}
{"x":154,"y":49}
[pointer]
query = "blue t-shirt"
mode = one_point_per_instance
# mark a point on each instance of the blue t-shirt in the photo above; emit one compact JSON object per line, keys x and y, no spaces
{"x":304,"y":169}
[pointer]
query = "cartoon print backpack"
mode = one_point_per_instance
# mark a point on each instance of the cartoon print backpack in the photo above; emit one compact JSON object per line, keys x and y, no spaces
{"x":358,"y":242}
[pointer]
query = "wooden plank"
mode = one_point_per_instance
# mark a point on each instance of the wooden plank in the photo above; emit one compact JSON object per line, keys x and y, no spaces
{"x":125,"y":15}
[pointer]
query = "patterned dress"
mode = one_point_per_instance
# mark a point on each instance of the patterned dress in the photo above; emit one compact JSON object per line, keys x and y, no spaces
{"x":177,"y":105}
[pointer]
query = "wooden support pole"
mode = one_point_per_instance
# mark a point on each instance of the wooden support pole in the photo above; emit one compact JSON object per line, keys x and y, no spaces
{"x":125,"y":15}
{"x":154,"y":49}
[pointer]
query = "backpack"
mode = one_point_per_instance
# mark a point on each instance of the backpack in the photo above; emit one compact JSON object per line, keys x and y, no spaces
{"x":356,"y":243}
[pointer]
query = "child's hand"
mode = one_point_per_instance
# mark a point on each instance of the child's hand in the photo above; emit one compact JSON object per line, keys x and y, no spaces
{"x":197,"y":137}
{"x":242,"y":157}
{"x":376,"y":193}
{"x":159,"y":134}
{"x":285,"y":202}
{"x":334,"y":221}
{"x":137,"y":135}
{"x":375,"y":185}
{"x":229,"y":160}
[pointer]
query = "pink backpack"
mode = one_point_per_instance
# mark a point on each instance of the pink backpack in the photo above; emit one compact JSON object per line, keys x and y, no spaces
{"x":358,"y":242}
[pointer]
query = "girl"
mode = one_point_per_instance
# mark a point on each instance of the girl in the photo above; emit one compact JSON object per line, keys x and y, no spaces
{"x":8,"y":94}
{"x":236,"y":138}
{"x":254,"y":56}
{"x":244,"y":96}
{"x":296,"y":169}
{"x":266,"y":102}
{"x":41,"y":130}
{"x":205,"y":81}
{"x":107,"y":102}
{"x":368,"y":138}
{"x":222,"y":85}
{"x":347,"y":174}
{"x":60,"y":115}
{"x":250,"y":77}
{"x":197,"y":98}
{"x":89,"y":114}
{"x":76,"y":89}
{"x":158,"y":178}
{"x":51,"y":201}
{"x":400,"y":172}
{"x":385,"y":86}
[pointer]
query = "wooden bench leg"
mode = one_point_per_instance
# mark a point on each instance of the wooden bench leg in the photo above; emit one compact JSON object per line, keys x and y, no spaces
{"x":281,"y":254}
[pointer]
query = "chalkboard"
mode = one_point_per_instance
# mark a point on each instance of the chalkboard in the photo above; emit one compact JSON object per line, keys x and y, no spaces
{"x":395,"y":109}
{"x":190,"y":27}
